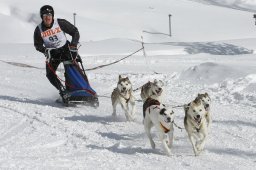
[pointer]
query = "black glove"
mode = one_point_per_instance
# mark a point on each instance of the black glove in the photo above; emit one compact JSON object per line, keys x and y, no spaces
{"x":74,"y":52}
{"x":51,"y":52}
{"x":78,"y":59}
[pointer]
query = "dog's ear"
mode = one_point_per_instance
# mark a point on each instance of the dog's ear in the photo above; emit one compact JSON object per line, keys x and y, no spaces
{"x":206,"y":94}
{"x":162,"y":83}
{"x":155,"y":81}
{"x":197,"y":100}
{"x":119,"y":77}
{"x":186,"y":107}
{"x":149,"y":84}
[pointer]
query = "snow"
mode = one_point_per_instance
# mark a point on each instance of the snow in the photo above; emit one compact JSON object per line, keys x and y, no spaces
{"x":212,"y":49}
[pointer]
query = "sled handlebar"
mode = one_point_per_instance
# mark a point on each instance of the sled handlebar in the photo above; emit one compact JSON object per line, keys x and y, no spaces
{"x":48,"y":58}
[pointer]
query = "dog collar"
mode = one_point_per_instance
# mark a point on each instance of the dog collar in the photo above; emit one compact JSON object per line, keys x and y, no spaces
{"x":164,"y":128}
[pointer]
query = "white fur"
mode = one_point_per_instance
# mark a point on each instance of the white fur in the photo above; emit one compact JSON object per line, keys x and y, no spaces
{"x":153,"y":90}
{"x":207,"y":105}
{"x":154,"y":118}
{"x":197,"y":130}
{"x":123,"y":95}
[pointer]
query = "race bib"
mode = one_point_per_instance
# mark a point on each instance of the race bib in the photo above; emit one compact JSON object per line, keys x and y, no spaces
{"x":53,"y":37}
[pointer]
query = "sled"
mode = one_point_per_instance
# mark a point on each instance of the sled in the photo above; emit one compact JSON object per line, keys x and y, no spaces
{"x":77,"y":86}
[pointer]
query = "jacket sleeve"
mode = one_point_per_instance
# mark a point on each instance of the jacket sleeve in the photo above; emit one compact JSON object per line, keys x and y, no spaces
{"x":38,"y":41}
{"x":70,"y":29}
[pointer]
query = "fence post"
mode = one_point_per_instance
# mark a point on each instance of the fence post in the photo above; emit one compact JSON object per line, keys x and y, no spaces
{"x":74,"y":14}
{"x":170,"y":31}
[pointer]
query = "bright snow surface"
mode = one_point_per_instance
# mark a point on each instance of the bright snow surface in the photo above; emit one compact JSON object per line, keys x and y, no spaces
{"x":211,"y":50}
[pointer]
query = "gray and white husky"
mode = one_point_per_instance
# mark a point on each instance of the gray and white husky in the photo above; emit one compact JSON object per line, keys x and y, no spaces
{"x":162,"y":118}
{"x":153,"y":90}
{"x":207,"y":105}
{"x":196,"y":124}
{"x":123,"y":94}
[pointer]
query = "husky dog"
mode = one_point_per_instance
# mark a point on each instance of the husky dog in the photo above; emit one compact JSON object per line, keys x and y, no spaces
{"x":123,"y":94}
{"x":206,"y":102}
{"x":196,"y":125}
{"x":156,"y":114}
{"x":153,"y":90}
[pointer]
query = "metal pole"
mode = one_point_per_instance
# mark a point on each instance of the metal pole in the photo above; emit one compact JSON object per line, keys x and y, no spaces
{"x":170,"y":25}
{"x":74,"y":14}
{"x":254,"y":16}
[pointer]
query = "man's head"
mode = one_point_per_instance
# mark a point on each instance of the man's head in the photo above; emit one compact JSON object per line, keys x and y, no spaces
{"x":47,"y":14}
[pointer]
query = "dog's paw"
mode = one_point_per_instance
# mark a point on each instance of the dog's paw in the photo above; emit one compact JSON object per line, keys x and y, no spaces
{"x":153,"y":145}
{"x":114,"y":114}
{"x":130,"y":118}
{"x":169,"y":154}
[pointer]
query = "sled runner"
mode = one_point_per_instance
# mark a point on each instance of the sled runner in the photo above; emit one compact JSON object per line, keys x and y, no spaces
{"x":78,"y":89}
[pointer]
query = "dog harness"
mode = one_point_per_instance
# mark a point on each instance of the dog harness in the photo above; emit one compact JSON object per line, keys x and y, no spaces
{"x":53,"y":37}
{"x":126,"y":100}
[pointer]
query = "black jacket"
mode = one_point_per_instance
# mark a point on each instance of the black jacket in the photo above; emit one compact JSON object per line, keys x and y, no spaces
{"x":65,"y":26}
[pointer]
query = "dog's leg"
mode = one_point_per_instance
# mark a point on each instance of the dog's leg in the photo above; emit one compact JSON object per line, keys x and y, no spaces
{"x":114,"y":104}
{"x":209,"y":119}
{"x":147,"y":126}
{"x":201,"y":142}
{"x":193,"y":142}
{"x":170,"y":136}
{"x":164,"y":143}
{"x":126,"y":111}
{"x":132,"y":102}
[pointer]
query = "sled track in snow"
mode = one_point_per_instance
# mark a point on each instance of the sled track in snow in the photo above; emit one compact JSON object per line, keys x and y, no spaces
{"x":35,"y":117}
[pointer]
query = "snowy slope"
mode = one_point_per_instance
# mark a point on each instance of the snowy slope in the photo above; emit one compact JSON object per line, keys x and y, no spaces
{"x":99,"y":20}
{"x":37,"y":133}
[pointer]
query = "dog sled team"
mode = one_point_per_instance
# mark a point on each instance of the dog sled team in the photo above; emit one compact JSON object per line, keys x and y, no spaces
{"x":197,"y":119}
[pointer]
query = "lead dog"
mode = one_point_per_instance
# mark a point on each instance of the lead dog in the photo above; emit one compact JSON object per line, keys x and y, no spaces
{"x":156,"y":114}
{"x":123,"y":95}
{"x":153,"y":90}
{"x":196,"y":125}
{"x":206,"y":102}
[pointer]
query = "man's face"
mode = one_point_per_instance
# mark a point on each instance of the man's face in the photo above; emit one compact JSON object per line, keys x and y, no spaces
{"x":47,"y":18}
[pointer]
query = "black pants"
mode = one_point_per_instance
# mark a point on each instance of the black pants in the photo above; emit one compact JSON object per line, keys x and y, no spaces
{"x":57,"y":56}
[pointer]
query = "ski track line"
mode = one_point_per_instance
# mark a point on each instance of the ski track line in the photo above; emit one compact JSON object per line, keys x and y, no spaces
{"x":12,"y":132}
{"x":54,"y":126}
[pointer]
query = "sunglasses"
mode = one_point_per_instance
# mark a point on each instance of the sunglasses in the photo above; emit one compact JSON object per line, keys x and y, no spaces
{"x":48,"y":14}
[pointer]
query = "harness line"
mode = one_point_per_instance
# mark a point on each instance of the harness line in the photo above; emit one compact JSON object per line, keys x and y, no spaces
{"x":101,"y":66}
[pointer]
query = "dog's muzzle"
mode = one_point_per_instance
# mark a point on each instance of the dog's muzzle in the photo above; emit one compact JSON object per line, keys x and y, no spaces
{"x":207,"y":107}
{"x":197,"y":119}
{"x":159,"y":91}
{"x":123,"y":90}
{"x":168,"y":120}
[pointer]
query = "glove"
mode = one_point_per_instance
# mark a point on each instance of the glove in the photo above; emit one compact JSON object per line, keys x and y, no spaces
{"x":51,"y":52}
{"x":74,"y":52}
{"x":78,"y":59}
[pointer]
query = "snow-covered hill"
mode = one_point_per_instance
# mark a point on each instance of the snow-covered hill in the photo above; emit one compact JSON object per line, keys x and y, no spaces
{"x":212,"y":50}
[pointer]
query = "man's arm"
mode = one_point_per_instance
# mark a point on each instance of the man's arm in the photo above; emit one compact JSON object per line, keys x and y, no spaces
{"x":70,"y":29}
{"x":38,"y":41}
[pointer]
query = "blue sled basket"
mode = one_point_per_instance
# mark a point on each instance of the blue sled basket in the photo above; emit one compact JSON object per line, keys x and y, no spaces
{"x":77,"y":84}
